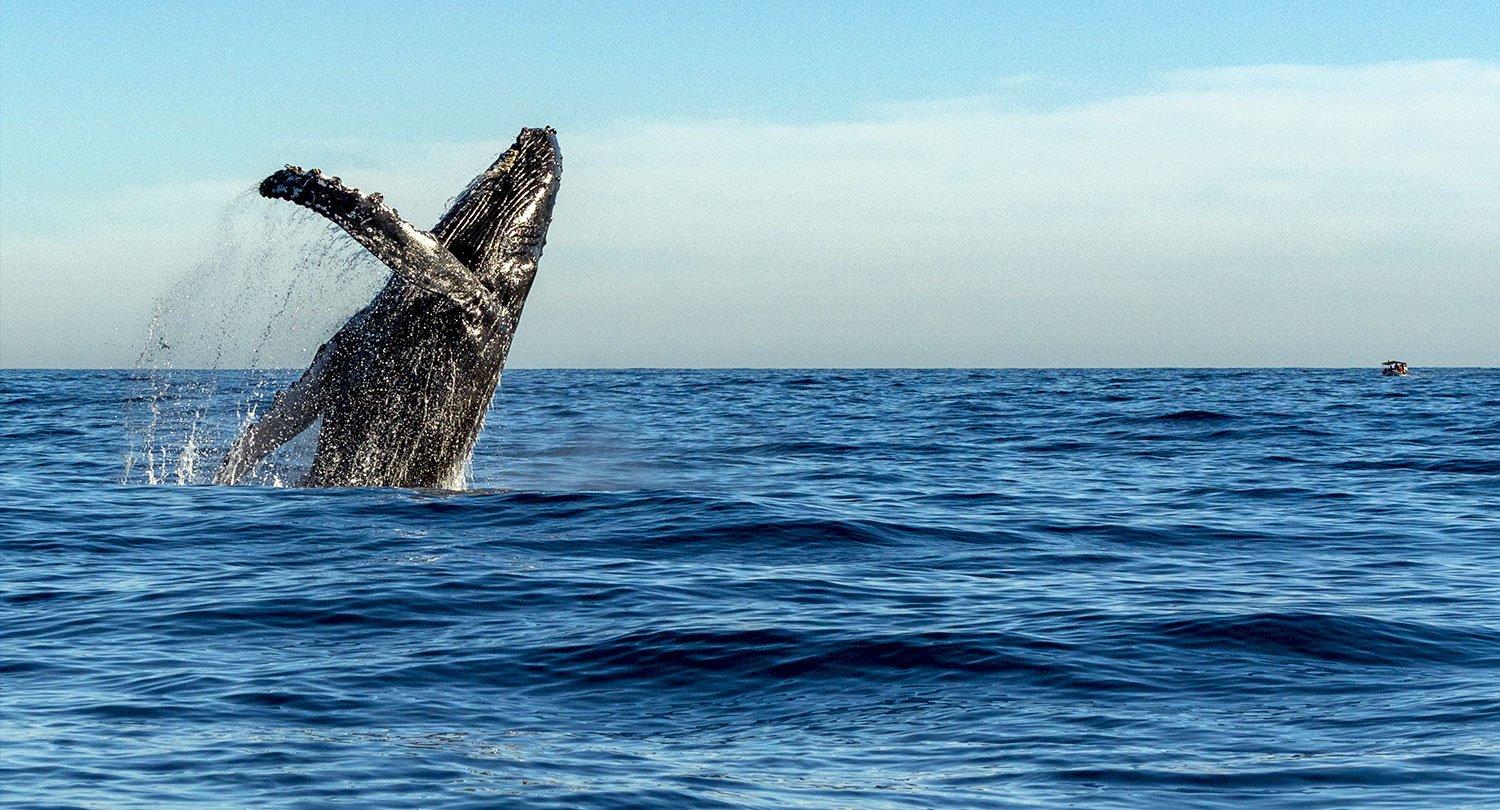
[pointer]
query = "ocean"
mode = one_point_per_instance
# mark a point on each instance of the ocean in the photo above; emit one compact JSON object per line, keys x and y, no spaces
{"x":1112,"y":588}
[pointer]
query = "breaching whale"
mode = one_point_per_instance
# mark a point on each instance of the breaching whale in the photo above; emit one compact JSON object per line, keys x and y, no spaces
{"x":402,"y":388}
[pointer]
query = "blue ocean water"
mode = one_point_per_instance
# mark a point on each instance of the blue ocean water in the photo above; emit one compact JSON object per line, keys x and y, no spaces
{"x":820,"y":589}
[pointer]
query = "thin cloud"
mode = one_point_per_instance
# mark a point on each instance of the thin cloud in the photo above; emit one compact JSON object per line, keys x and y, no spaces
{"x":1274,"y":214}
{"x":1280,"y":214}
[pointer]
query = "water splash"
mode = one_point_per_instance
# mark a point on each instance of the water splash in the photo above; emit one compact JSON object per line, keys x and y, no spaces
{"x":232,"y":331}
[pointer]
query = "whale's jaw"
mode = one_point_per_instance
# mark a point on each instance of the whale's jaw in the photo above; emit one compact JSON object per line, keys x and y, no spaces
{"x":500,"y":220}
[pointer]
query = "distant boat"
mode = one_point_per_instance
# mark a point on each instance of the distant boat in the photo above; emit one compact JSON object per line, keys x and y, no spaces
{"x":1393,"y":368}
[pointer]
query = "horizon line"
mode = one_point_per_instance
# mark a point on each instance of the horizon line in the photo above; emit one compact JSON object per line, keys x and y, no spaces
{"x":779,"y":368}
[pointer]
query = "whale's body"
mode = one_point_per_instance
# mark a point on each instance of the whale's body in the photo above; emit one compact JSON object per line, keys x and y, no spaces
{"x":403,"y":387}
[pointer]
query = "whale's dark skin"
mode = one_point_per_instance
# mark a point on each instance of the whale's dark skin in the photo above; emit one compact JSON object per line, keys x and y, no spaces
{"x":403,"y":387}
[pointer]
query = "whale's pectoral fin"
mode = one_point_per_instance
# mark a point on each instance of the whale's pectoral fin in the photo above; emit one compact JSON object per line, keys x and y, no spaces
{"x":290,"y":414}
{"x":410,"y":253}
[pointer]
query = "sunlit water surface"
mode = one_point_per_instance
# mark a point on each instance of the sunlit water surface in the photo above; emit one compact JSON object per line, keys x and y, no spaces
{"x":822,"y":589}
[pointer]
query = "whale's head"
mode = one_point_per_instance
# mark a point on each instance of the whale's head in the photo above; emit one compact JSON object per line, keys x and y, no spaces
{"x":498,"y":225}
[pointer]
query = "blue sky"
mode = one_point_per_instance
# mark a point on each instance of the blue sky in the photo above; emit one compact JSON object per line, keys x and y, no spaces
{"x":803,"y":184}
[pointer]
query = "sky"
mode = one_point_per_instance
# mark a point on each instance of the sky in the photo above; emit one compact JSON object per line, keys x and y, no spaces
{"x":792,"y":184}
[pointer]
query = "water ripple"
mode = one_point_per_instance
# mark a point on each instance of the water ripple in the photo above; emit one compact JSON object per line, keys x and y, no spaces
{"x":746,"y":588}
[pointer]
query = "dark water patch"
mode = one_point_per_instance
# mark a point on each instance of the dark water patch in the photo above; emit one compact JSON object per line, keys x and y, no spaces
{"x":288,"y":614}
{"x":1337,"y":638}
{"x":34,"y":668}
{"x":1164,"y":535}
{"x":1221,"y":783}
{"x":1234,"y":493}
{"x":1460,"y":466}
{"x":673,"y":656}
{"x":1193,"y":416}
{"x":37,"y":596}
{"x":1062,"y":446}
{"x":967,"y":499}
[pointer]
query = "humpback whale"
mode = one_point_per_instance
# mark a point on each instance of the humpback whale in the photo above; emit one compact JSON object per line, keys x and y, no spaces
{"x":403,"y":387}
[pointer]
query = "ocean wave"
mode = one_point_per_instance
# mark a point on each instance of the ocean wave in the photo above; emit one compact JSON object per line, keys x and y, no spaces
{"x":1194,"y":416}
{"x":1348,"y":639}
{"x":946,"y":588}
{"x":1461,"y":466}
{"x":777,"y":653}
